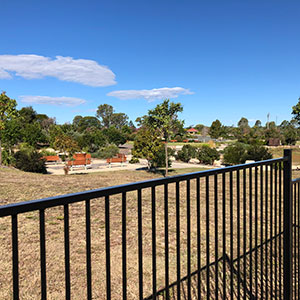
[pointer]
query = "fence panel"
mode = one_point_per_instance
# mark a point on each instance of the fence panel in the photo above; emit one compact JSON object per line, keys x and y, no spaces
{"x":214,"y":234}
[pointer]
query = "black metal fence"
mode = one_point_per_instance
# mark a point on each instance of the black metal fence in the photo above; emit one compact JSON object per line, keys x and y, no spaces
{"x":229,"y":233}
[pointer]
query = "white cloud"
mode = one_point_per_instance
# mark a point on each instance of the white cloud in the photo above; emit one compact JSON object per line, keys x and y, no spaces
{"x":150,"y":95}
{"x":84,"y":71}
{"x":68,"y":101}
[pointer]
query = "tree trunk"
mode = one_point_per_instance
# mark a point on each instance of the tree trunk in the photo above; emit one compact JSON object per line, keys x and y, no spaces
{"x":0,"y":153}
{"x":166,"y":153}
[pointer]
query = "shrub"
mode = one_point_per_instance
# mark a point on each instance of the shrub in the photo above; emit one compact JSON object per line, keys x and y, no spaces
{"x":30,"y":161}
{"x":207,"y":155}
{"x":238,"y":153}
{"x":178,"y":138}
{"x":107,"y":152}
{"x":134,"y":160}
{"x":186,"y":153}
{"x":7,"y":159}
{"x":234,"y":154}
{"x":159,"y":159}
{"x":48,"y":153}
{"x":257,"y":152}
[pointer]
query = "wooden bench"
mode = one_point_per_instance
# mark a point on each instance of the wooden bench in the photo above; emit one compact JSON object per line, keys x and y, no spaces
{"x":52,"y":158}
{"x":121,"y":158}
{"x":80,"y":160}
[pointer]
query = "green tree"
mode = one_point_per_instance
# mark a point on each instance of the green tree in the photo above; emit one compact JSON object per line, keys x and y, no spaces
{"x":119,"y":120}
{"x":29,"y":160}
{"x":7,"y":111}
{"x":28,"y":114}
{"x":199,"y":127}
{"x":238,"y":153}
{"x":289,"y":133}
{"x":104,"y":114}
{"x":257,"y":123}
{"x":147,"y":144}
{"x":11,"y":135}
{"x":83,"y":123}
{"x":257,"y":153}
{"x":243,"y":123}
{"x":65,"y":144}
{"x":296,"y":111}
{"x":114,"y":136}
{"x":186,"y":153}
{"x":164,"y":119}
{"x":233,"y":154}
{"x":207,"y":155}
{"x":33,"y":135}
{"x":216,"y":129}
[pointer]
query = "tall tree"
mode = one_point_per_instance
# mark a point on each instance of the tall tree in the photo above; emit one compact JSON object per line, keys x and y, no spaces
{"x":257,"y":123}
{"x":28,"y":114}
{"x":216,"y":129}
{"x":164,"y":119}
{"x":104,"y":113}
{"x":296,"y":111}
{"x":119,"y":120}
{"x":147,"y":144}
{"x":243,"y":123}
{"x":7,"y":111}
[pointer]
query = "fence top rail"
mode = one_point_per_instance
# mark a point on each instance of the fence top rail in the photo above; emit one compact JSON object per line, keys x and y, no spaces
{"x":27,"y":206}
{"x":296,"y":180}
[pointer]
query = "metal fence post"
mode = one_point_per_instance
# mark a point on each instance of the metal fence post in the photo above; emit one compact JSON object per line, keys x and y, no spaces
{"x":287,"y":225}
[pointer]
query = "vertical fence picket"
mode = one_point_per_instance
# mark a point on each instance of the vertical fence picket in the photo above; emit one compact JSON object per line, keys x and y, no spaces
{"x":216,"y":238}
{"x":67,"y":252}
{"x":153,"y":201}
{"x":298,"y":247}
{"x":15,"y":256}
{"x":287,"y":217}
{"x":178,"y":239}
{"x":88,"y":249}
{"x":124,"y":247}
{"x":280,"y":230}
{"x":276,"y":231}
{"x":198,"y":239}
{"x":188,"y":229}
{"x":238,"y":213}
{"x":224,"y":232}
{"x":140,"y":244}
{"x":261,"y":231}
{"x":231,"y":232}
{"x":207,"y":240}
{"x":267,"y":289}
{"x":107,"y":248}
{"x":294,"y":188}
{"x":166,"y":198}
{"x":244,"y":236}
{"x":43,"y":255}
{"x":256,"y":228}
{"x":250,"y":231}
{"x":271,"y":231}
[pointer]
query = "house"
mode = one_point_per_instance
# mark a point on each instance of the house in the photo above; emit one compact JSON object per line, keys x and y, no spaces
{"x":192,"y":131}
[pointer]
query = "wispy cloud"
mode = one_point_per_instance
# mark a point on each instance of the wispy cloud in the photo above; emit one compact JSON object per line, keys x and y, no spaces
{"x":66,"y":101}
{"x":84,"y":71}
{"x":151,"y":95}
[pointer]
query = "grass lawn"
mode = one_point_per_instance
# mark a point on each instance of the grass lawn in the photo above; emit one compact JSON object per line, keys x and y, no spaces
{"x":18,"y":186}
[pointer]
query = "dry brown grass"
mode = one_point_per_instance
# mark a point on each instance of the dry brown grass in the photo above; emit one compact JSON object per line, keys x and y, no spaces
{"x":278,"y":152}
{"x":17,"y":186}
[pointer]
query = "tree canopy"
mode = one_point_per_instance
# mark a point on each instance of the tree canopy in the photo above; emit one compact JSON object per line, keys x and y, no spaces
{"x":163,"y":119}
{"x":7,"y":112}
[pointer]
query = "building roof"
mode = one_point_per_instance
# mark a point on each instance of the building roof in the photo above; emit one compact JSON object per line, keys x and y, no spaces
{"x":192,"y":130}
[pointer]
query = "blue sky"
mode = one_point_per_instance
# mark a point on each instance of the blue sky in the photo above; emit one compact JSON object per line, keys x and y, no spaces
{"x":220,"y":59}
